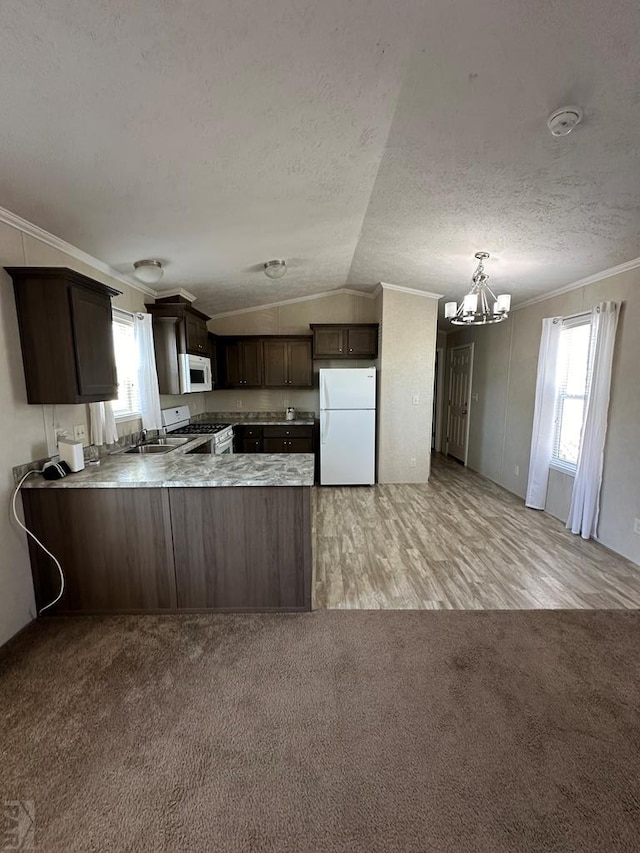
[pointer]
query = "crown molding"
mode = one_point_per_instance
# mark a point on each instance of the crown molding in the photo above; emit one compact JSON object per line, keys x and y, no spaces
{"x":582,"y":282}
{"x":341,"y":290}
{"x":386,"y":286}
{"x":164,"y":294}
{"x":32,"y":230}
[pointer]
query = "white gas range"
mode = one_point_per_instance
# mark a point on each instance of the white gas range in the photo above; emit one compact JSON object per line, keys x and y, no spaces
{"x":178,"y":422}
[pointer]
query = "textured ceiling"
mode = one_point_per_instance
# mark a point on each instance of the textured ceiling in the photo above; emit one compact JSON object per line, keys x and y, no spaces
{"x":362,"y":141}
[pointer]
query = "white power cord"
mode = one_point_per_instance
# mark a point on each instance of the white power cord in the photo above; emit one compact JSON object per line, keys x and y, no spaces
{"x":38,"y":542}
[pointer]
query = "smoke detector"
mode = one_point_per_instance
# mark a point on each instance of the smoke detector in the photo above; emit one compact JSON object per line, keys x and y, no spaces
{"x":562,"y":121}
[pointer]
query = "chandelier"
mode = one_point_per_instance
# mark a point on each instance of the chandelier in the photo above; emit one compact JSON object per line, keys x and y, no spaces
{"x":480,"y":306}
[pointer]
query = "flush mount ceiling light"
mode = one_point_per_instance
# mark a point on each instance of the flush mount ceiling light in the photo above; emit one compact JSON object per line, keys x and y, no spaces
{"x":562,"y":121}
{"x":480,"y":307}
{"x":274,"y":269}
{"x":148,"y":271}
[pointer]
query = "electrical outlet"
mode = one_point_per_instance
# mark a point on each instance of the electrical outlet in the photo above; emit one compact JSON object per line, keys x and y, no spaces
{"x":516,"y":470}
{"x":412,"y":462}
{"x":636,"y":526}
{"x":416,"y":399}
{"x":79,"y":432}
{"x":239,"y":404}
{"x":285,"y":402}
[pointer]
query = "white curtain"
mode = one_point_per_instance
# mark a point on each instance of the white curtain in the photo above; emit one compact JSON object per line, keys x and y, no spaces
{"x":103,"y":423}
{"x":544,"y":414}
{"x":585,"y":498}
{"x":147,"y":374}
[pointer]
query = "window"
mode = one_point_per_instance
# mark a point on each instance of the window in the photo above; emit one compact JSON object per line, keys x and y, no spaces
{"x":572,"y":383}
{"x":127,"y":405}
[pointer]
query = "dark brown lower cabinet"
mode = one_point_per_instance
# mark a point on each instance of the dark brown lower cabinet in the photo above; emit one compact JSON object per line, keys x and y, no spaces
{"x":154,"y":550}
{"x":287,"y":445}
{"x":114,"y":546}
{"x":248,"y":445}
{"x":242,"y":548}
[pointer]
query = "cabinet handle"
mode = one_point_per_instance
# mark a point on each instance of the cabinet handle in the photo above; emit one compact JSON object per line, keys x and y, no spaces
{"x":340,"y":350}
{"x":350,"y":349}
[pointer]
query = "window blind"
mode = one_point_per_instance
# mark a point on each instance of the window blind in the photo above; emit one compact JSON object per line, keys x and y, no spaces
{"x":128,"y":402}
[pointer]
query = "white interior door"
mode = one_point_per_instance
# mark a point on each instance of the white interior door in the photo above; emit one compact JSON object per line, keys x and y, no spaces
{"x":460,"y":376}
{"x":347,"y":447}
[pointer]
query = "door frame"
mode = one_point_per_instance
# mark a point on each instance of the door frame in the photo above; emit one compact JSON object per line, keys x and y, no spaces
{"x":440,"y":396}
{"x":466,"y":437}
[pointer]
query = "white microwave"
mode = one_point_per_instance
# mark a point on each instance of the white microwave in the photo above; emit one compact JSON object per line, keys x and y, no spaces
{"x":195,"y":373}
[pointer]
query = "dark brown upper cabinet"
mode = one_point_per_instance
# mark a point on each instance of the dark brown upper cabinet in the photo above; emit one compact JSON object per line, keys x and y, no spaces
{"x":196,"y":335}
{"x":191,"y":328}
{"x":243,"y":363}
{"x":341,"y":341}
{"x":66,"y":335}
{"x":287,"y":362}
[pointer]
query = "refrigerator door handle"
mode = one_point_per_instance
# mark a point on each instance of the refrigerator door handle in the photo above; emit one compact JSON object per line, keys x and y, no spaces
{"x":325,"y":430}
{"x":323,"y":391}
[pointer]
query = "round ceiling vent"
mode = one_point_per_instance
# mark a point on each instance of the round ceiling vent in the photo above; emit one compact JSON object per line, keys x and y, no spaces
{"x":562,"y":121}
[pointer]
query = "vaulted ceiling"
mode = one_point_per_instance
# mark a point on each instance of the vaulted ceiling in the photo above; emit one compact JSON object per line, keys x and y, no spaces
{"x":364,"y":141}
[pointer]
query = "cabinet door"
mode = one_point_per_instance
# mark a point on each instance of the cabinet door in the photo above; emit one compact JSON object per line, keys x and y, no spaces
{"x":195,"y":334}
{"x":362,"y":341}
{"x":300,"y":364}
{"x":232,"y":364}
{"x":93,"y":344}
{"x":251,"y":363}
{"x":274,"y":445}
{"x":328,"y":343}
{"x":275,"y":363}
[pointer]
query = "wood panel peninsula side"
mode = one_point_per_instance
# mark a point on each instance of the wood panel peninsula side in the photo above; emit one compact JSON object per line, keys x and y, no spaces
{"x":186,"y":532}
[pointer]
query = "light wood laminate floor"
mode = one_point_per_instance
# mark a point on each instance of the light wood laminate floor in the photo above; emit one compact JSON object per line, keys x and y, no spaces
{"x":459,"y":542}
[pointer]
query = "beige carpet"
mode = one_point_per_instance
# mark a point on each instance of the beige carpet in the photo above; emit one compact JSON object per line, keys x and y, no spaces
{"x":333,"y":731}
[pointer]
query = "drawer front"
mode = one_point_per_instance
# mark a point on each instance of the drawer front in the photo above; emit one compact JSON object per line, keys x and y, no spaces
{"x":245,"y":431}
{"x":288,"y":445}
{"x":248,"y":445}
{"x":283,"y":431}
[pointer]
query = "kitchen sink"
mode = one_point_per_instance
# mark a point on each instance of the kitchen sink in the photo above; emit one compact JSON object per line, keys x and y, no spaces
{"x":150,"y":448}
{"x":158,"y":445}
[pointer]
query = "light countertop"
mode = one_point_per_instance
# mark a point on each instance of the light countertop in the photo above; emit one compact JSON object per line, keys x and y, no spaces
{"x":177,"y":469}
{"x":257,"y":418}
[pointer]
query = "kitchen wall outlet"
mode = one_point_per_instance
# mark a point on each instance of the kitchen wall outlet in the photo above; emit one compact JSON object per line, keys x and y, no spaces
{"x":416,"y":400}
{"x":239,"y":404}
{"x":285,"y":402}
{"x":516,"y":470}
{"x":79,"y":432}
{"x":412,"y":462}
{"x":636,"y":526}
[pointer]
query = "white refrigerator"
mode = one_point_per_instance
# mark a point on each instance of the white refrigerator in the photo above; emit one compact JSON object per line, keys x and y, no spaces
{"x":347,"y":426}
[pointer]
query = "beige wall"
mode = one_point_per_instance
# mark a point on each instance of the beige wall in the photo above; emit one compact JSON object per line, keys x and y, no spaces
{"x":504,"y":378}
{"x":407,"y":362}
{"x":28,"y":432}
{"x":293,"y":319}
